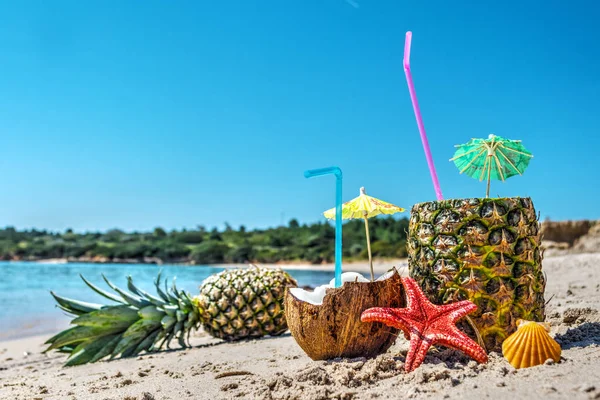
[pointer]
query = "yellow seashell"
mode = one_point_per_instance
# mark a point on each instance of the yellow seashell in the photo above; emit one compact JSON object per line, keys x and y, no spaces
{"x":530,"y":345}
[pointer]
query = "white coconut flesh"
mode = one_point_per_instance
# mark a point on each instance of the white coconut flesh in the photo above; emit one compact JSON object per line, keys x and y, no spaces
{"x":316,"y":296}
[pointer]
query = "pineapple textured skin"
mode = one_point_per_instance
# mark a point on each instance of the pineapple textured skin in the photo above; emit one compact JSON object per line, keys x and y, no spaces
{"x":483,"y":250}
{"x":243,"y":303}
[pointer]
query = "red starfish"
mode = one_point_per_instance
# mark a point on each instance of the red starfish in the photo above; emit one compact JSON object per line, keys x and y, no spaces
{"x":426,"y":324}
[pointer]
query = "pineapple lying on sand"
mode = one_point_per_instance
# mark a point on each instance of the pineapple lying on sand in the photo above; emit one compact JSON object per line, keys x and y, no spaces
{"x":483,"y":250}
{"x":232,"y":305}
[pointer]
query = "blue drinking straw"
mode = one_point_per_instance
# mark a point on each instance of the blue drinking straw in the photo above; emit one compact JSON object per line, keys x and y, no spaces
{"x":338,"y":215}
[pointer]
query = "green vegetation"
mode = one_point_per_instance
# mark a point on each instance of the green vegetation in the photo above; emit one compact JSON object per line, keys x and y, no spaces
{"x":312,"y":243}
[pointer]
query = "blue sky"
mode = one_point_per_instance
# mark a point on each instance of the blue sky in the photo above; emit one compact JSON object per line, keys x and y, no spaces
{"x":177,"y":113}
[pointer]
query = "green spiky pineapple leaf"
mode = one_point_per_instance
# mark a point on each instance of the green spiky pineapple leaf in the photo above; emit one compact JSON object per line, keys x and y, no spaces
{"x":232,"y":305}
{"x":136,"y":323}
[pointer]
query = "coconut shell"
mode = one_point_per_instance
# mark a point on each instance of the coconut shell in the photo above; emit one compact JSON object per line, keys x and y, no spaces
{"x":333,"y":329}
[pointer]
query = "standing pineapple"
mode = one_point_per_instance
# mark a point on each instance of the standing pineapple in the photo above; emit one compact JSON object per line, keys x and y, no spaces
{"x":483,"y":250}
{"x":232,"y":305}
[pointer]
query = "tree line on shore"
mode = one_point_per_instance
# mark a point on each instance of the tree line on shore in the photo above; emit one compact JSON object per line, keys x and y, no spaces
{"x":313,"y":243}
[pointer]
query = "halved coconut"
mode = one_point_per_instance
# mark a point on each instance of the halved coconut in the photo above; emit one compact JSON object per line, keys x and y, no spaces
{"x":333,"y":329}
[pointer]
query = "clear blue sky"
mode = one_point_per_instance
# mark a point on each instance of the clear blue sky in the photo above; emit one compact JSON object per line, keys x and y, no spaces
{"x":137,"y":114}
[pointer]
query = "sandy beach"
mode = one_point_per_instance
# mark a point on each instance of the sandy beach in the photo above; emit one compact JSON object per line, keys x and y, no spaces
{"x":276,"y":368}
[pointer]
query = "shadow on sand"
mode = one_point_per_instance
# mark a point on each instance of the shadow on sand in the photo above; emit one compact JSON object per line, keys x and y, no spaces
{"x":583,"y":335}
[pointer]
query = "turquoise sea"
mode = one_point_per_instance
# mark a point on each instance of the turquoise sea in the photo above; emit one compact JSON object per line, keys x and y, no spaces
{"x":27,"y":308}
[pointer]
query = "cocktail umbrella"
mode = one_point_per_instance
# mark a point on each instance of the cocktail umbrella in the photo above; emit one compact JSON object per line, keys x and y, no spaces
{"x":364,"y":207}
{"x":492,"y":158}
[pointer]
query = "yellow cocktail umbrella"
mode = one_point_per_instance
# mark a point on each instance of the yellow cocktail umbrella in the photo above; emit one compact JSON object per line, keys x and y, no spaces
{"x":364,"y":207}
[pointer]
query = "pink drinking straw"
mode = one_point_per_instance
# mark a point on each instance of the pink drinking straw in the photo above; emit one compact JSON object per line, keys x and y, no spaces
{"x":413,"y":97}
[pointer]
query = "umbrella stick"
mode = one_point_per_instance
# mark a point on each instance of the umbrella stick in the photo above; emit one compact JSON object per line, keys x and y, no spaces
{"x":489,"y":178}
{"x":369,"y":248}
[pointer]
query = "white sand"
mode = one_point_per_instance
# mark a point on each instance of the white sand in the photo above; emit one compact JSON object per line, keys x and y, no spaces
{"x":276,"y":368}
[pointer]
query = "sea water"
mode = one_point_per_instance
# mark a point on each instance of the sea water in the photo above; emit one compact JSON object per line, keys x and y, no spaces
{"x":27,"y":308}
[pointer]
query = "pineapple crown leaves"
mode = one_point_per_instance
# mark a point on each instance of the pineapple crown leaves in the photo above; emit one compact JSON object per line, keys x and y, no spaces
{"x":137,"y":322}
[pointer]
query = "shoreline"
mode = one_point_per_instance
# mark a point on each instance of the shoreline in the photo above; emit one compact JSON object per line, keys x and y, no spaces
{"x":380,"y":266}
{"x":45,"y":331}
{"x":49,"y":321}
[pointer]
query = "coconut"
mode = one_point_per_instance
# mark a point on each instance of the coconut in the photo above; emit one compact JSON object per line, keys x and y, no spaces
{"x":326,"y":323}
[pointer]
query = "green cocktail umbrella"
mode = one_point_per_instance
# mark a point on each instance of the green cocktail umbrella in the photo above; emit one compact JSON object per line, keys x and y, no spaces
{"x":492,"y":158}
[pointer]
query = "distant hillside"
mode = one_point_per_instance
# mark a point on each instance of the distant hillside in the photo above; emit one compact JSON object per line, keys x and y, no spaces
{"x":560,"y":237}
{"x":309,"y":243}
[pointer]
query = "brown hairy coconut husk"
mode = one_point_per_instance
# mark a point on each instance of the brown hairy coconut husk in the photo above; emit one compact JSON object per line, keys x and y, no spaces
{"x":333,"y":329}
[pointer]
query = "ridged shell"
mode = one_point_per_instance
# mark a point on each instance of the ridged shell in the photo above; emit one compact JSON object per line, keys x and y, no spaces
{"x":530,"y":345}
